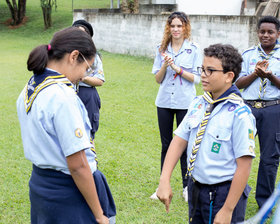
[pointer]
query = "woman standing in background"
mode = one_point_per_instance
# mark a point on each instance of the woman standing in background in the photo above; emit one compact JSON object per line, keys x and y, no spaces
{"x":175,"y":68}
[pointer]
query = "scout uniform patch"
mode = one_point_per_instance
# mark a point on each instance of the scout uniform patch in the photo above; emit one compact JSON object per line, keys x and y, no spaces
{"x":251,"y":134}
{"x":78,"y":133}
{"x":216,"y":147}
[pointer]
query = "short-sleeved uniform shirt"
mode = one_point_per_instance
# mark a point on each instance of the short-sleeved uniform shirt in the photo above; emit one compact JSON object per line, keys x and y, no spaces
{"x":98,"y":71}
{"x":229,"y":135}
{"x":250,"y":59}
{"x":177,"y":93}
{"x":57,"y":126}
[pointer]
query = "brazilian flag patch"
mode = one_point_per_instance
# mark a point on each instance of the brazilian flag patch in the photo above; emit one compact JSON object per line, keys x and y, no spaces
{"x":216,"y":147}
{"x":251,"y":134}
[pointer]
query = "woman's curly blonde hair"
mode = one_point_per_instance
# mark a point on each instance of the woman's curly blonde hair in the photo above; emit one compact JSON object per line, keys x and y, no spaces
{"x":167,"y":34}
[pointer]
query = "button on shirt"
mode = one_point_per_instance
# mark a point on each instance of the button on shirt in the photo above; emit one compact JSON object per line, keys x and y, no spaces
{"x":229,"y":135}
{"x":250,"y":59}
{"x":98,"y":71}
{"x":56,"y":126}
{"x":177,"y":93}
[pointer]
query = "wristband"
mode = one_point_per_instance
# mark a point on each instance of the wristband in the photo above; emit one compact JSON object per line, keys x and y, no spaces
{"x":181,"y":72}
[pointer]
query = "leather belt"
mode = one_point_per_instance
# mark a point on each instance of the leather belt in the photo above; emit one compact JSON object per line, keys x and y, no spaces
{"x":210,"y":185}
{"x":261,"y":103}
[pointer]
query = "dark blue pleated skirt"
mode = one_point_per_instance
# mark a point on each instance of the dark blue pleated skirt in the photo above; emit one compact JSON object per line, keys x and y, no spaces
{"x":55,"y":198}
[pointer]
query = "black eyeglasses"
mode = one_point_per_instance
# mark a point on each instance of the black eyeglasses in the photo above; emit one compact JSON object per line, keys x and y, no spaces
{"x":207,"y":71}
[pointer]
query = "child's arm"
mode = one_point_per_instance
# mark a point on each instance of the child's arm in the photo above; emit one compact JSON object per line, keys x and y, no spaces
{"x":81,"y":173}
{"x":237,"y":187}
{"x":175,"y":150}
{"x":93,"y":81}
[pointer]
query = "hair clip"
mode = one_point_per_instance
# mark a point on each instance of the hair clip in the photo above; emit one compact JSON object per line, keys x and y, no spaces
{"x":49,"y":47}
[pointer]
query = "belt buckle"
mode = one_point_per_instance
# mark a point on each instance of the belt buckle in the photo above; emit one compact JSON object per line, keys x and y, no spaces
{"x":258,"y":105}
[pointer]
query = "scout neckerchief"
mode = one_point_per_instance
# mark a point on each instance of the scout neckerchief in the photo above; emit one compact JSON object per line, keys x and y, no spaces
{"x":40,"y":82}
{"x":263,"y":82}
{"x":201,"y":130}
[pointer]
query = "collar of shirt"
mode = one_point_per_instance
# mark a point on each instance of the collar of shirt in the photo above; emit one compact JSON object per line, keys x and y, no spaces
{"x":185,"y":46}
{"x":276,"y":53}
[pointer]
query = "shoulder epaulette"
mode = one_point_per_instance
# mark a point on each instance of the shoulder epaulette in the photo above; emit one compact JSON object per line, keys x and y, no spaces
{"x":242,"y":111}
{"x":249,"y":49}
{"x":195,"y":44}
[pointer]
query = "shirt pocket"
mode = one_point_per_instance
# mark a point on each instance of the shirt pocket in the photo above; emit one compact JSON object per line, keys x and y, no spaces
{"x":187,"y":66}
{"x":186,"y":62}
{"x":219,"y":134}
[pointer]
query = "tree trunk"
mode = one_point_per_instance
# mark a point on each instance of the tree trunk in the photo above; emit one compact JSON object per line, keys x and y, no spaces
{"x":47,"y":14}
{"x":17,"y":10}
{"x":21,"y":9}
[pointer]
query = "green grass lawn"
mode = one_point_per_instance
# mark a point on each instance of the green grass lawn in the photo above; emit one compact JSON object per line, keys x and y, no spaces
{"x":127,"y":142}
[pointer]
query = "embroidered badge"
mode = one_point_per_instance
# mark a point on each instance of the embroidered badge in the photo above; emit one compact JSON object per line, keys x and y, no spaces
{"x":232,"y":108}
{"x":78,"y":133}
{"x":251,"y":134}
{"x":192,"y":112}
{"x":251,"y":149}
{"x":216,"y":147}
{"x":253,"y":62}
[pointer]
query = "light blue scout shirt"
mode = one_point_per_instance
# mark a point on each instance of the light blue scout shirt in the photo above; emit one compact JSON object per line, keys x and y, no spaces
{"x":98,"y":71}
{"x":178,"y":93}
{"x":250,"y":59}
{"x":229,"y":135}
{"x":56,"y":126}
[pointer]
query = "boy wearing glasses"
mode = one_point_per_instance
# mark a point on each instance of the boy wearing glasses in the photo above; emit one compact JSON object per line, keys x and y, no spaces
{"x":218,"y":131}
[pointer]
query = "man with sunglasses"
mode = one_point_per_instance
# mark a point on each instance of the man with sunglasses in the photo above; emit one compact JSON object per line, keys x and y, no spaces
{"x":218,"y":131}
{"x":87,"y":88}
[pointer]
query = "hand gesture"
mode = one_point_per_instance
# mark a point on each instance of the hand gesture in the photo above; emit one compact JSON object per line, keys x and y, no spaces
{"x":164,"y":194}
{"x":169,"y":62}
{"x":261,"y":69}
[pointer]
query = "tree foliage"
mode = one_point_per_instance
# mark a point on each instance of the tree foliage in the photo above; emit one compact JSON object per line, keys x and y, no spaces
{"x":130,"y":6}
{"x":17,"y":10}
{"x":46,"y":6}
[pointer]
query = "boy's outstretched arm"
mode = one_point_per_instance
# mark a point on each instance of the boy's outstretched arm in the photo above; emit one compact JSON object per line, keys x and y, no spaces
{"x":237,"y":187}
{"x":174,"y":152}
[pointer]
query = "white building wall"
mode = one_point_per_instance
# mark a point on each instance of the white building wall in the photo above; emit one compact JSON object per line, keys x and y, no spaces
{"x":210,"y":7}
{"x":138,"y":34}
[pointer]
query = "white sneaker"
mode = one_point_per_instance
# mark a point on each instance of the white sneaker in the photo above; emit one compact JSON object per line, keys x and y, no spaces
{"x":154,"y":196}
{"x":185,"y":194}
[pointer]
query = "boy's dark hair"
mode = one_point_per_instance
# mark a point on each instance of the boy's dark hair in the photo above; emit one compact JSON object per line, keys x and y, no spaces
{"x":269,"y":19}
{"x":229,"y":56}
{"x":63,"y":42}
{"x":87,"y":26}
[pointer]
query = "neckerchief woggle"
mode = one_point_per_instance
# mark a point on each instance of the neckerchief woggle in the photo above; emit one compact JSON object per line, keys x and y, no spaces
{"x":39,"y":82}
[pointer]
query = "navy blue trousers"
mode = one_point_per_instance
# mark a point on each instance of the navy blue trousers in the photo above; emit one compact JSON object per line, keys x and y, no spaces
{"x":55,"y":198}
{"x":165,"y":122}
{"x":268,"y":127}
{"x":91,"y":100}
{"x":220,"y":192}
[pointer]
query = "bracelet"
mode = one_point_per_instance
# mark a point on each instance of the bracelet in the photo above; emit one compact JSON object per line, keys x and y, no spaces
{"x":181,"y":72}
